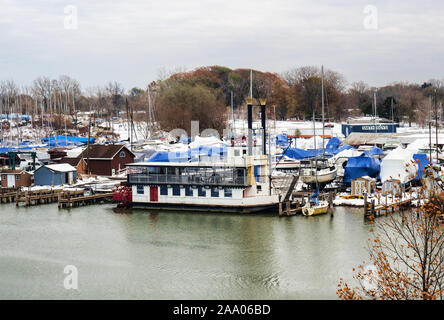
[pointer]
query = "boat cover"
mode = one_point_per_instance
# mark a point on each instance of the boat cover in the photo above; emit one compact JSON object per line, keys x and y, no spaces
{"x":399,"y":164}
{"x":282,"y":140}
{"x":374,"y":151}
{"x":423,"y":161}
{"x":360,"y":167}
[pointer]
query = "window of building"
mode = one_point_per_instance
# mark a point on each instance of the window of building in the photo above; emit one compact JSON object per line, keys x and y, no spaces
{"x":228,"y":193}
{"x":163,"y":190}
{"x":17,"y":177}
{"x":122,"y":154}
{"x":188,"y":191}
{"x":140,"y":190}
{"x":215,"y":192}
{"x":201,"y":192}
{"x":176,"y":190}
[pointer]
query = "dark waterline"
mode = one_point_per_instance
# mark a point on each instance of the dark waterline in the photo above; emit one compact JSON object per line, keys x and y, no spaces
{"x":168,"y":255}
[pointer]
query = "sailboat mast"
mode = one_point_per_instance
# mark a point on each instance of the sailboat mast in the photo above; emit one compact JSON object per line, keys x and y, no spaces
{"x":315,"y":148}
{"x":150,"y":120}
{"x":323,"y":120}
{"x":232,"y":113}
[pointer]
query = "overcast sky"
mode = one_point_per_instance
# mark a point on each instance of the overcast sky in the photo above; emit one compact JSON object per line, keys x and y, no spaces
{"x":130,"y":41}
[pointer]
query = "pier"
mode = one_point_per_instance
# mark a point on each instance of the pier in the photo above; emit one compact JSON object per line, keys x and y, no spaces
{"x":32,"y":198}
{"x":69,"y":199}
{"x":8,"y":195}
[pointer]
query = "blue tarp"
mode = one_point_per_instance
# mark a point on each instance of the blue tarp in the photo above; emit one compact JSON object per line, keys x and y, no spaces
{"x":342,"y":148}
{"x":282,"y":140}
{"x":300,"y":154}
{"x":332,"y":145}
{"x":422,"y":161}
{"x":66,"y":141}
{"x":360,"y":167}
{"x":374,"y":151}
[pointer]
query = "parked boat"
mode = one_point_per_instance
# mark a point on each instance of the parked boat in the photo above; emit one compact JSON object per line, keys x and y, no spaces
{"x":320,"y":170}
{"x":314,"y":206}
{"x":316,"y":209}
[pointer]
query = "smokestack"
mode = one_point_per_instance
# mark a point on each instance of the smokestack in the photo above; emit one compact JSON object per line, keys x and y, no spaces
{"x":250,"y":126}
{"x":264,"y":131}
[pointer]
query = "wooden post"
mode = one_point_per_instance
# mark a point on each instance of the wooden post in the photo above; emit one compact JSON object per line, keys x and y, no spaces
{"x":365,"y":205}
{"x":373,"y":208}
{"x":330,"y":203}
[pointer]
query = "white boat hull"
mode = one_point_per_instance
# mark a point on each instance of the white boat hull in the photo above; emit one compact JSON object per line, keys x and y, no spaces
{"x":309,"y":176}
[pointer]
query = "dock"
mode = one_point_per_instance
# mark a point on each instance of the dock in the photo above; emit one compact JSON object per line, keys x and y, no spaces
{"x":69,"y":199}
{"x":8,"y":195}
{"x":292,"y":202}
{"x":373,"y":209}
{"x":36,"y":197}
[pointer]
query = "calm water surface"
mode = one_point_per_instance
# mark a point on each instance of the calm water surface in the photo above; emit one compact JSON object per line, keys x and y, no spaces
{"x":168,"y":255}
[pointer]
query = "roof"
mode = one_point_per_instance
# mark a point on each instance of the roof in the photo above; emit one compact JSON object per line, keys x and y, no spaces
{"x":71,"y":161}
{"x":10,"y":171}
{"x":61,"y":167}
{"x":103,"y":152}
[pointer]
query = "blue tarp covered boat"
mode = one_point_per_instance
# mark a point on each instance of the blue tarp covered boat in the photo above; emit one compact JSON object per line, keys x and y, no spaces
{"x":360,"y":167}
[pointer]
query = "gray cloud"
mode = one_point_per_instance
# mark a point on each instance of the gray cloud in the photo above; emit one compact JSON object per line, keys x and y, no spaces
{"x":129,"y":41}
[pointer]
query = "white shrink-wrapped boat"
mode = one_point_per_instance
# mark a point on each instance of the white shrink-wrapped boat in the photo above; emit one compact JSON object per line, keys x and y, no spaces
{"x":399,"y":165}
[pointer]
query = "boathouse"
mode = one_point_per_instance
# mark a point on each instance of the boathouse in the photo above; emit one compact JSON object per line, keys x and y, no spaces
{"x":55,"y":174}
{"x":15,"y":178}
{"x":107,"y":160}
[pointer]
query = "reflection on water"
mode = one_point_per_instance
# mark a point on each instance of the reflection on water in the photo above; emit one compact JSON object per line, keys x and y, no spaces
{"x":140,"y":254}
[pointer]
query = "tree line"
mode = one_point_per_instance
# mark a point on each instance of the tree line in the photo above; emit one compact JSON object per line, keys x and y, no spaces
{"x":206,"y":94}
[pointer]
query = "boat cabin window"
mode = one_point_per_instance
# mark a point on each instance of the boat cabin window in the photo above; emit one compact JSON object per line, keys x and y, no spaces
{"x":163,"y":190}
{"x":188,"y":191}
{"x":176,"y":190}
{"x":228,"y":193}
{"x":201,"y":192}
{"x":215,"y":192}
{"x":140,"y":190}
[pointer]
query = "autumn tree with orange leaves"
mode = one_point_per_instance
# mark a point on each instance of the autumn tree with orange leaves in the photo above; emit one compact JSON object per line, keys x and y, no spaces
{"x":406,"y":255}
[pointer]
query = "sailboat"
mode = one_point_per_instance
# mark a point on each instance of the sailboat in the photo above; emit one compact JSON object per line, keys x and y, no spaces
{"x":319,"y":169}
{"x":314,"y":206}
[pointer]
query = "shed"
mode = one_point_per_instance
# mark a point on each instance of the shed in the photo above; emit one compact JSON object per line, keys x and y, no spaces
{"x":363,"y":185}
{"x":55,"y":174}
{"x":15,"y":178}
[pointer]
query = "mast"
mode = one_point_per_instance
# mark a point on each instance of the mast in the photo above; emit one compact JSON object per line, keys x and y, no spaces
{"x":323,"y":120}
{"x":232,"y":114}
{"x":436,"y":128}
{"x":150,"y":120}
{"x":374,"y":97}
{"x":315,"y":148}
{"x":430,"y":129}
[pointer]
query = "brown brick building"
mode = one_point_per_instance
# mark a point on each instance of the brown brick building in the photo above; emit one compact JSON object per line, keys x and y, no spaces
{"x":15,"y":178}
{"x":107,"y":160}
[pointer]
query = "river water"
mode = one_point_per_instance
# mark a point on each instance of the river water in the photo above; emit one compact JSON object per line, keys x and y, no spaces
{"x":169,"y":255}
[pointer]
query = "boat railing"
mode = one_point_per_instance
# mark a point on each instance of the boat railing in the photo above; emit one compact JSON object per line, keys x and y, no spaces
{"x":184,"y":179}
